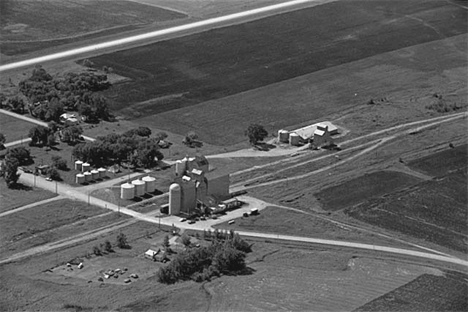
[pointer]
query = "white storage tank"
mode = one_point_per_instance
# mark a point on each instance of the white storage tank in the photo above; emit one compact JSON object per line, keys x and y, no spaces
{"x":139,"y":187}
{"x":150,"y":184}
{"x":95,"y":174}
{"x":85,"y":167}
{"x":294,"y":139}
{"x":88,"y":176}
{"x":127,"y":191}
{"x":283,"y":136}
{"x":180,"y":167}
{"x":78,"y":165}
{"x":80,"y":178}
{"x":102,"y":172}
{"x":175,"y":199}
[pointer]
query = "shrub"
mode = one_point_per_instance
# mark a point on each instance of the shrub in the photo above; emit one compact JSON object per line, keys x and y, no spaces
{"x":97,"y":251}
{"x":185,"y":240}
{"x":108,"y":246}
{"x":122,"y":241}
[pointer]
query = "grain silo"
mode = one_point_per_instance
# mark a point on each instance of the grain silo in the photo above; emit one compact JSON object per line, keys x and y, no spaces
{"x":150,"y":184}
{"x":102,"y":173}
{"x":85,"y":167}
{"x":127,"y":191}
{"x":95,"y":174}
{"x":180,"y":167}
{"x":283,"y":136}
{"x":175,"y":199}
{"x":139,"y":187}
{"x":78,"y":165}
{"x":294,"y":139}
{"x":80,"y":178}
{"x":88,"y":176}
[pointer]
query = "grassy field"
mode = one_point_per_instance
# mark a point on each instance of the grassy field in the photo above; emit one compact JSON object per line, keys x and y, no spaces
{"x":235,"y":59}
{"x":435,"y":211}
{"x":33,"y":221}
{"x":13,"y":128}
{"x":14,"y":198}
{"x":440,"y":164}
{"x":33,"y":21}
{"x":371,"y":185}
{"x":425,"y":293}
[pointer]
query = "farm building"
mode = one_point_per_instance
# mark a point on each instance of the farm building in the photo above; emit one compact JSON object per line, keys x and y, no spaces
{"x":305,"y":134}
{"x":322,"y":136}
{"x":194,"y":184}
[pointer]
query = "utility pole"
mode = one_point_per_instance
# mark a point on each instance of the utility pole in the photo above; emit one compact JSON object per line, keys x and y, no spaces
{"x":56,"y":187}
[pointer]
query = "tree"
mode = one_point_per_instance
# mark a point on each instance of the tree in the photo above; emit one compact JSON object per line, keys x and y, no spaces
{"x":122,"y":241}
{"x":71,"y":134}
{"x":166,"y":243}
{"x":59,"y":163}
{"x":97,"y":251}
{"x":53,"y":174}
{"x":191,"y":139}
{"x":144,"y":131}
{"x":2,"y":141}
{"x":16,"y":104}
{"x":185,"y":240}
{"x":51,"y":140}
{"x":20,"y":153}
{"x":9,"y":171}
{"x":160,"y":136}
{"x":108,"y":246}
{"x":256,"y":133}
{"x":39,"y":135}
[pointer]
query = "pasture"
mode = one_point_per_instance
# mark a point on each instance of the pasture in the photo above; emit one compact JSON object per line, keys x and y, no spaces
{"x":13,"y":128}
{"x":227,"y":61}
{"x":358,"y":190}
{"x":434,"y":211}
{"x":24,"y":195}
{"x":425,"y":293}
{"x":31,"y":25}
{"x":441,"y":163}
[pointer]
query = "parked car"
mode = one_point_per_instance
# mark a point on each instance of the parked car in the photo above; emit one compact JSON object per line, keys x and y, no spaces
{"x":183,"y":220}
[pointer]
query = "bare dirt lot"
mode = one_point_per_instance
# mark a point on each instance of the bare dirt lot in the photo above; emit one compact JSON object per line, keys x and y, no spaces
{"x":29,"y":25}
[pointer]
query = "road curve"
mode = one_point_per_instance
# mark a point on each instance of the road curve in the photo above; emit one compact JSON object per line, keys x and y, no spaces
{"x":154,"y":34}
{"x":357,"y":246}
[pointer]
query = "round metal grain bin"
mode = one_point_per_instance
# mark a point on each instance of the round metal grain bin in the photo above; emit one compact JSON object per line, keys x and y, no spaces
{"x":78,"y":165}
{"x":85,"y":167}
{"x":283,"y":136}
{"x":88,"y":176}
{"x":140,"y":189}
{"x":294,"y":139}
{"x":102,"y":172}
{"x":127,"y":191}
{"x":150,"y":184}
{"x":80,"y":178}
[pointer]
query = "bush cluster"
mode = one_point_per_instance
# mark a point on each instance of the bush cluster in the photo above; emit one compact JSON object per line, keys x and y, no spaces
{"x":201,"y":264}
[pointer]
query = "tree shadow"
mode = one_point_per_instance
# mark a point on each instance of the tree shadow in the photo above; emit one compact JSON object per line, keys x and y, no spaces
{"x":264,"y":147}
{"x":21,"y":187}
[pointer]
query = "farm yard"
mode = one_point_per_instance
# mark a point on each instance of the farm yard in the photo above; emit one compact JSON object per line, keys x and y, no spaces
{"x":29,"y":25}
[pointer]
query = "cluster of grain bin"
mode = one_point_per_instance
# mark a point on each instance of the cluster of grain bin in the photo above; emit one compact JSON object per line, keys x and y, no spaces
{"x":87,"y":174}
{"x":294,"y":139}
{"x":138,"y":188}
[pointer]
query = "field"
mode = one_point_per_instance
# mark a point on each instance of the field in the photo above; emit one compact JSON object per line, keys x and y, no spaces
{"x":13,"y":128}
{"x":439,"y":164}
{"x":218,"y":63}
{"x":36,"y":224}
{"x":371,"y":185}
{"x":14,"y":198}
{"x":29,"y":25}
{"x":425,"y":293}
{"x":435,"y":211}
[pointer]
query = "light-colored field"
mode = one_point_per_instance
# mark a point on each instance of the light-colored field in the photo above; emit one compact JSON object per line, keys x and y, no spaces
{"x":14,"y":129}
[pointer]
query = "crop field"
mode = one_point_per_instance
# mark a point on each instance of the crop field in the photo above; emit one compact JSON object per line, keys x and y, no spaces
{"x":34,"y":21}
{"x":425,"y":293}
{"x":358,"y":190}
{"x":441,"y":163}
{"x":14,"y":198}
{"x":231,"y":60}
{"x":13,"y":128}
{"x":434,"y":211}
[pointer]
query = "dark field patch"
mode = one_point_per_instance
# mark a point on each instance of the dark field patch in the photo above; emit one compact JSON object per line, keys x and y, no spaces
{"x":441,"y":163}
{"x":358,"y":190}
{"x":425,"y":293}
{"x":34,"y":21}
{"x":214,"y":64}
{"x":435,"y":211}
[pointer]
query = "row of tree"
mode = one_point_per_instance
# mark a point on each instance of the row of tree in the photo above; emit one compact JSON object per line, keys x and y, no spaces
{"x":134,"y":147}
{"x":200,"y":264}
{"x":15,"y":157}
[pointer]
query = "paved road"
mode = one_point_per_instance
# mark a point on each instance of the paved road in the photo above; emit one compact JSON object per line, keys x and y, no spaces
{"x":212,"y":22}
